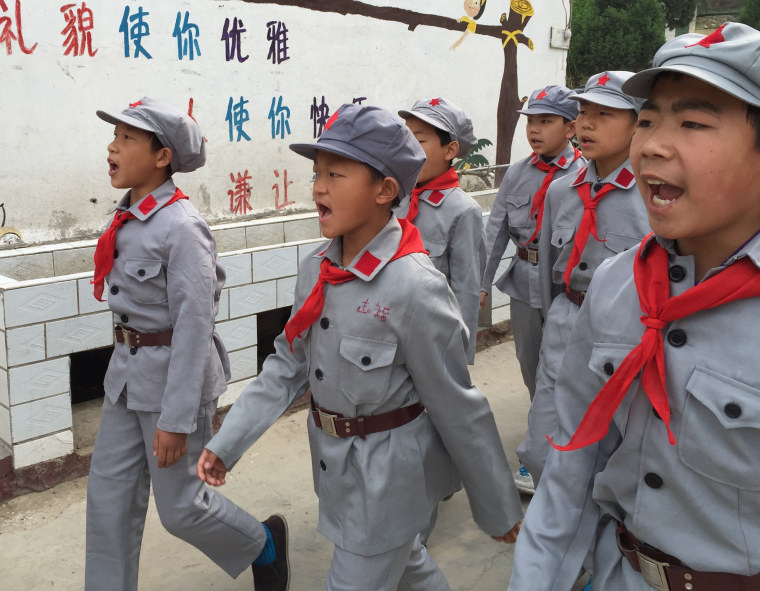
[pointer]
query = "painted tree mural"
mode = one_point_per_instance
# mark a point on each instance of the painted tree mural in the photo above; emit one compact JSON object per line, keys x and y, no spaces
{"x":509,"y":33}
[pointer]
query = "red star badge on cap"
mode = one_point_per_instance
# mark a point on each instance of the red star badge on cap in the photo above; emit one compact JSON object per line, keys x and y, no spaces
{"x":133,"y":105}
{"x":715,"y":37}
{"x":435,"y":102}
{"x":541,"y":94}
{"x":331,"y":120}
{"x":603,"y":80}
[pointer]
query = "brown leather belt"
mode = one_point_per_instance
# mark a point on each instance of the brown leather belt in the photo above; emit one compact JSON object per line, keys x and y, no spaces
{"x":336,"y":425}
{"x":527,"y":254}
{"x":132,"y":338}
{"x":576,"y":297}
{"x":667,"y":573}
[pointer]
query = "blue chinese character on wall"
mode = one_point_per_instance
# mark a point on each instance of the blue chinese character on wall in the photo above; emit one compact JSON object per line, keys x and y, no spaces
{"x":279,"y":115}
{"x":135,"y":32}
{"x":237,"y":115}
{"x":187,"y":37}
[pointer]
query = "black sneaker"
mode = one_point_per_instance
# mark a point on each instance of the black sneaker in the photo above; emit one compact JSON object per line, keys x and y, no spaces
{"x":275,"y":576}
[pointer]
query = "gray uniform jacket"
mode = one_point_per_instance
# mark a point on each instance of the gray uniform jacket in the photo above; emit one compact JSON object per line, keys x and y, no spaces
{"x":166,"y":275}
{"x":452,"y":231}
{"x":383,"y":341}
{"x":698,"y":500}
{"x":510,"y":220}
{"x":621,"y":223}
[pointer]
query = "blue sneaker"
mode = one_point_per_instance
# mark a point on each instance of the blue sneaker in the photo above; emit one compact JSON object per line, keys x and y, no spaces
{"x":524,"y":481}
{"x":588,"y":585}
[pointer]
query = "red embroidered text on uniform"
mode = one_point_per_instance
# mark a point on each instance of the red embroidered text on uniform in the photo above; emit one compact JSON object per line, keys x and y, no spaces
{"x":382,"y":312}
{"x":364,"y":307}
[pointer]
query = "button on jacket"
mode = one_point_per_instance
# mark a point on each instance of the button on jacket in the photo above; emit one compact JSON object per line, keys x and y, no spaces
{"x":510,"y":220}
{"x":698,"y":500}
{"x":451,"y":225}
{"x":383,"y":341}
{"x":167,"y":277}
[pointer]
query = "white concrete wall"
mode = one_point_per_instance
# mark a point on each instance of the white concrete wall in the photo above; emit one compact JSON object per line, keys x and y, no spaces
{"x":53,"y":178}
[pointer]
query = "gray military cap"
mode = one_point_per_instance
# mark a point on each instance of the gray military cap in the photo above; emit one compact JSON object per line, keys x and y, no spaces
{"x":445,"y":115}
{"x":373,"y":136}
{"x":606,"y":89}
{"x":174,"y":129}
{"x":728,"y":59}
{"x":552,"y":100}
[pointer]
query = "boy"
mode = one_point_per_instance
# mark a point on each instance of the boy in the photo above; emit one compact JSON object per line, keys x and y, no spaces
{"x":516,"y":215}
{"x":664,"y":468}
{"x":168,"y":366}
{"x":587,"y":218}
{"x":384,"y":338}
{"x":449,"y":220}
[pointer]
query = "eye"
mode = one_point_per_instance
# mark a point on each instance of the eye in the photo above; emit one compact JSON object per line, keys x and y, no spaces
{"x":692,"y":125}
{"x":644,"y":123}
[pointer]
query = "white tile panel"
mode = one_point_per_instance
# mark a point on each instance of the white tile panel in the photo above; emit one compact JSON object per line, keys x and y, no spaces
{"x":51,"y":301}
{"x":229,"y":397}
{"x":305,"y":229}
{"x":264,"y":234}
{"x":239,"y":333}
{"x":87,"y":301}
{"x":306,"y":251}
{"x":27,"y":266}
{"x":252,"y":299}
{"x":41,"y":417}
{"x":39,"y":380}
{"x":5,"y":398}
{"x":43,"y":449}
{"x":26,"y":344}
{"x":500,"y":314}
{"x":243,"y":364}
{"x":275,"y":263}
{"x":80,"y":333}
{"x":3,"y":350}
{"x":230,"y":239}
{"x":286,"y":291}
{"x":237,"y":268}
{"x":498,"y":298}
{"x":74,"y":260}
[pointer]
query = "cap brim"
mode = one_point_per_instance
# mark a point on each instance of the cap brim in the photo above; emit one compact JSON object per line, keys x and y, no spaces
{"x":604,"y":100}
{"x":641,"y":84}
{"x":545,"y":111}
{"x":437,"y":124}
{"x":121,"y":118}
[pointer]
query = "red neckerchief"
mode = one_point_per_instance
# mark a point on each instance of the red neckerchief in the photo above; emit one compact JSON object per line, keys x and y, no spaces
{"x":587,"y":226}
{"x":411,"y":242}
{"x":106,"y":243}
{"x":537,"y":209}
{"x":448,"y":180}
{"x":650,"y":271}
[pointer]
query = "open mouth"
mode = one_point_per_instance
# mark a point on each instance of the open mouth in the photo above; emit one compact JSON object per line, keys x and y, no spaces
{"x":586,"y":141}
{"x":324,"y":212}
{"x":662,"y":194}
{"x":112,"y":168}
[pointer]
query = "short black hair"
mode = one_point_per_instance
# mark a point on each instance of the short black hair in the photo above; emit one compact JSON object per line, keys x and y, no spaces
{"x":155,"y":146}
{"x":376,"y":176}
{"x":443,"y":135}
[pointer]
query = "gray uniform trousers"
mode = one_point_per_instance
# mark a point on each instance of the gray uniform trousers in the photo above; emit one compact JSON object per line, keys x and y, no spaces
{"x":121,"y":472}
{"x":407,"y":568}
{"x":527,"y":328}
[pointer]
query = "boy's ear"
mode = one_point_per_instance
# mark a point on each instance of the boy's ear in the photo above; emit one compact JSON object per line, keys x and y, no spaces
{"x":452,"y":149}
{"x":164,"y":157}
{"x":570,"y":129}
{"x":387,"y":192}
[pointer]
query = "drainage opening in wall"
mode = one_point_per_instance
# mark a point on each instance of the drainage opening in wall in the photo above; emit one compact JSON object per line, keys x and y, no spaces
{"x":269,"y":325}
{"x":88,"y":369}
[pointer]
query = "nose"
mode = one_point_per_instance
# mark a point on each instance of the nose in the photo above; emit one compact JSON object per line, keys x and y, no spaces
{"x":318,"y":186}
{"x":111,"y":146}
{"x":651,"y":142}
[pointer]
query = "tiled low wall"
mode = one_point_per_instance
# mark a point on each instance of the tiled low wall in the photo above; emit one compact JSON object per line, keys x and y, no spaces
{"x":47,"y":312}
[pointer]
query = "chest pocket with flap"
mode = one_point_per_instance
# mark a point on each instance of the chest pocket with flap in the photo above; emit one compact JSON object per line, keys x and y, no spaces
{"x":720,"y":435}
{"x":366,"y":371}
{"x":149,"y":280}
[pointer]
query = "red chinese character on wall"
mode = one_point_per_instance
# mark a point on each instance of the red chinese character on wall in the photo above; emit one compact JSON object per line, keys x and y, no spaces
{"x":6,"y":30}
{"x":78,"y":30}
{"x":276,"y":187}
{"x":239,"y":195}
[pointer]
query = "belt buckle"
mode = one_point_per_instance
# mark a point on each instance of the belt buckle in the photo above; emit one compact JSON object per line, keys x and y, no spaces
{"x":328,"y":423}
{"x":127,"y":336}
{"x":532,"y":256}
{"x":653,"y":572}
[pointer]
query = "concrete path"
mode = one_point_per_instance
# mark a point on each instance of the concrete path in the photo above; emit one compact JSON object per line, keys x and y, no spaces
{"x":42,"y":535}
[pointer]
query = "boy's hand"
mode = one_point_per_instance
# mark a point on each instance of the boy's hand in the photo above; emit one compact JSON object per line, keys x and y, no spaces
{"x":211,"y":469}
{"x":511,"y":536}
{"x":168,"y":447}
{"x":483,"y":298}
